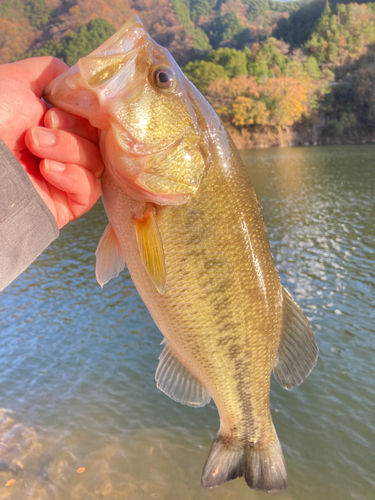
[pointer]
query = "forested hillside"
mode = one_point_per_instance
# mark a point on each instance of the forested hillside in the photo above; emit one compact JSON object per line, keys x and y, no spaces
{"x":278,"y":73}
{"x":188,"y":28}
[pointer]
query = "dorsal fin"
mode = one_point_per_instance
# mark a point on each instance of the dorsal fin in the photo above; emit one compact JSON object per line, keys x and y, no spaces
{"x":298,"y":350}
{"x":175,"y":380}
{"x":109,"y":257}
{"x":151,"y":247}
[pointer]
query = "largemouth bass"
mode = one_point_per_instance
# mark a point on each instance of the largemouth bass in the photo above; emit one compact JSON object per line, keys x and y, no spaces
{"x":184,"y":217}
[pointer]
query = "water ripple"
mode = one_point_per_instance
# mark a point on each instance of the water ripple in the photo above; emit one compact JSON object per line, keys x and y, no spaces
{"x":78,"y":362}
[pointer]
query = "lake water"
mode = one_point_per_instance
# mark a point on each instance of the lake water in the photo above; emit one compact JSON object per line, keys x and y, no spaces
{"x":77,"y":362}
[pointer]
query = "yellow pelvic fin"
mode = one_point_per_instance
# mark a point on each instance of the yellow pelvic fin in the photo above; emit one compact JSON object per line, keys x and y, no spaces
{"x":151,"y":247}
{"x":109,"y":257}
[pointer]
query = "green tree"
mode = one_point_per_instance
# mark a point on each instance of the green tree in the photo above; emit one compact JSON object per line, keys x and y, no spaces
{"x":76,"y":45}
{"x":10,"y":8}
{"x":271,"y":58}
{"x":51,"y":48}
{"x":316,"y":45}
{"x":323,"y":22}
{"x":201,"y":40}
{"x":342,"y":14}
{"x":242,"y":37}
{"x":233,"y":61}
{"x":202,"y":73}
{"x":291,"y":6}
{"x":346,"y":120}
{"x":256,"y":8}
{"x":224,"y":27}
{"x":298,"y":28}
{"x":38,"y":13}
{"x":312,"y":68}
{"x":87,"y":38}
{"x":364,"y":95}
{"x":182,"y":9}
{"x":342,"y":35}
{"x":202,"y":8}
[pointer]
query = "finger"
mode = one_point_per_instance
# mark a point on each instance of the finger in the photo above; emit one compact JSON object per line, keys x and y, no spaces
{"x":36,"y":72}
{"x":61,"y":208}
{"x":81,"y":187}
{"x":57,"y":119}
{"x":64,"y":147}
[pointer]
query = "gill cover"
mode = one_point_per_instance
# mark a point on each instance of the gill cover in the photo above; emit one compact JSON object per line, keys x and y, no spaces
{"x":133,"y":90}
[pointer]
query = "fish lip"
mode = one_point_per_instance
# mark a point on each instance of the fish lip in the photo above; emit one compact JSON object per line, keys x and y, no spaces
{"x":120,"y":38}
{"x":130,"y":38}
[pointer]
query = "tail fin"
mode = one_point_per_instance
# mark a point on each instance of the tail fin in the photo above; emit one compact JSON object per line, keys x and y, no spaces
{"x":262,"y":464}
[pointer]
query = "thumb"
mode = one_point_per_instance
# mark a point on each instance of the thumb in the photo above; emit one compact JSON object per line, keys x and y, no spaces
{"x":36,"y":72}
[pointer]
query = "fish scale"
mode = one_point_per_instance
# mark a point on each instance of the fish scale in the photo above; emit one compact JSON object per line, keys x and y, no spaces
{"x":223,"y":297}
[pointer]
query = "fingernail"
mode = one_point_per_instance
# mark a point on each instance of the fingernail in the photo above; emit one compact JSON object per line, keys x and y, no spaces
{"x":43,"y":138}
{"x":54,"y":166}
{"x":59,"y":119}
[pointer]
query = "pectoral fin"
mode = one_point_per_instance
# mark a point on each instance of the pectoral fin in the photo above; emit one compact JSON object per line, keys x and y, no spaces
{"x":151,"y":248}
{"x":298,"y":350}
{"x":109,"y":257}
{"x":175,"y":380}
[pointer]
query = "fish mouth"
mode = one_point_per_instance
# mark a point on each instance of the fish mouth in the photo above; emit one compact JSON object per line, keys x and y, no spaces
{"x":137,"y":149}
{"x":135,"y":190}
{"x":102,"y":75}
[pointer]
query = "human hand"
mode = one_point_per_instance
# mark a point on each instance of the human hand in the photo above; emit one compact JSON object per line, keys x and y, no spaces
{"x":58,"y":151}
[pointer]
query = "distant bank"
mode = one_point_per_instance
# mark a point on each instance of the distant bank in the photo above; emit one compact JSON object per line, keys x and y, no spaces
{"x":312,"y":135}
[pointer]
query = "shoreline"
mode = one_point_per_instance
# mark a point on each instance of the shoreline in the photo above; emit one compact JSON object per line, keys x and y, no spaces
{"x":308,"y":136}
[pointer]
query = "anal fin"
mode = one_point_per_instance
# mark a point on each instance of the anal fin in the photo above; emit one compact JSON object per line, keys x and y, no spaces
{"x":151,"y":247}
{"x":109,"y":257}
{"x":298,"y":350}
{"x":176,"y":381}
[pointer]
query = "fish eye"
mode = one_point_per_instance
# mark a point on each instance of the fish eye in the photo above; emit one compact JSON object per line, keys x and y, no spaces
{"x":163,"y":78}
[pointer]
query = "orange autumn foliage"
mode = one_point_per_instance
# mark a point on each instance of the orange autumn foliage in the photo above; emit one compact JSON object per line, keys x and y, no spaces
{"x":248,"y":111}
{"x":290,"y":99}
{"x":343,"y":42}
{"x":15,"y":37}
{"x":277,"y":102}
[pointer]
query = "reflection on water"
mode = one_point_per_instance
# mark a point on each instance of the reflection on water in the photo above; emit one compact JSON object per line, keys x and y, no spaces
{"x":78,"y":362}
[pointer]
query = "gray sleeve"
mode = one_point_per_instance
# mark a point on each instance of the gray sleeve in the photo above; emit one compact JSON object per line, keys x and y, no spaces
{"x":27,"y":226}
